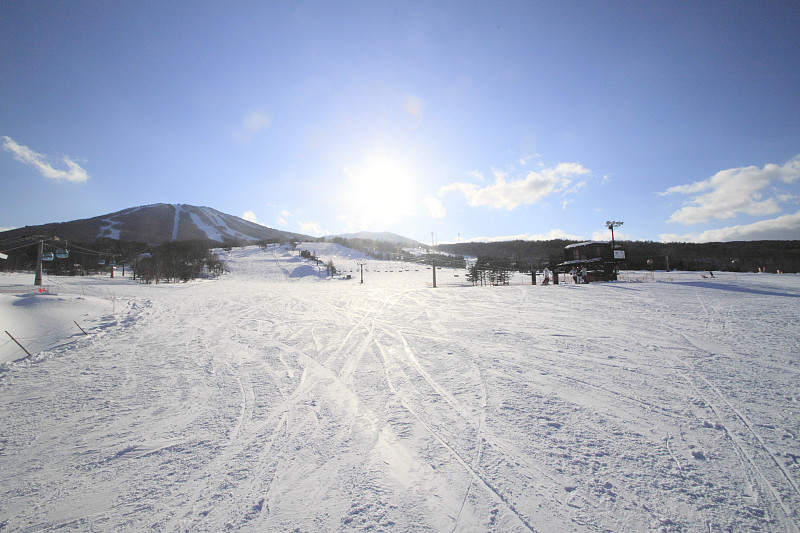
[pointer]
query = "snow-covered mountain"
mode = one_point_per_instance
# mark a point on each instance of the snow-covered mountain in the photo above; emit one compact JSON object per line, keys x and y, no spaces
{"x":384,"y":236}
{"x":159,"y":223}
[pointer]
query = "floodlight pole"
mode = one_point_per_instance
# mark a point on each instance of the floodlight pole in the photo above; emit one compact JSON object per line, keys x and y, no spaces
{"x":611,"y":224}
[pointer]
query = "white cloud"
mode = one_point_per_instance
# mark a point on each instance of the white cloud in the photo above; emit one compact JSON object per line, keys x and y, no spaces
{"x":311,"y":228}
{"x":250,"y":216}
{"x":477,"y":174}
{"x":256,"y":121}
{"x":24,"y":154}
{"x":549,"y":236}
{"x":435,"y":207}
{"x":504,"y":194}
{"x":735,"y":191}
{"x":351,"y":223}
{"x":786,"y":227}
{"x":605,"y":235}
{"x":283,"y":217}
{"x":252,"y":124}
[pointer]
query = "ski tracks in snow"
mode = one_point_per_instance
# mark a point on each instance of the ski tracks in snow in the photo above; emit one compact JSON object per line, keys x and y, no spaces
{"x":259,"y":402}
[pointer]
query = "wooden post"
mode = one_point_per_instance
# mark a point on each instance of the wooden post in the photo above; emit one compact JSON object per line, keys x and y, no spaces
{"x":18,"y":344}
{"x":80,"y":328}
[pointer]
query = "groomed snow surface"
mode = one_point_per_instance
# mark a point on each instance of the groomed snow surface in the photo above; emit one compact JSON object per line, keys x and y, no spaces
{"x":274,"y":399}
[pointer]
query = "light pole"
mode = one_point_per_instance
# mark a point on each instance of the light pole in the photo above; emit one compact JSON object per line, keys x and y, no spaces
{"x":611,"y":224}
{"x":362,"y":271}
{"x":433,"y":262}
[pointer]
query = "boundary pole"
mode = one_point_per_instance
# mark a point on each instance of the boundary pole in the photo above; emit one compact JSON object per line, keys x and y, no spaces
{"x":18,"y":344}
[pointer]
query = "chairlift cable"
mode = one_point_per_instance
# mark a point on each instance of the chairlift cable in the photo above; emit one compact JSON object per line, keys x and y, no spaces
{"x":18,"y":247}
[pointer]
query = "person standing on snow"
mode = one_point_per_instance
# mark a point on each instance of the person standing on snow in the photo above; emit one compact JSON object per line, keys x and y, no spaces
{"x":574,"y":274}
{"x":546,"y":273}
{"x":582,"y":277}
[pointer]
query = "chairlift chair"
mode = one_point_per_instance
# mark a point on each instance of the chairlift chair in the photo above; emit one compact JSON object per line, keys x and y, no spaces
{"x":47,"y":256}
{"x":101,"y":262}
{"x":62,"y":253}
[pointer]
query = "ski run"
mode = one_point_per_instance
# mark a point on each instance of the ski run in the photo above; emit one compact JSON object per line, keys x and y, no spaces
{"x":274,"y":399}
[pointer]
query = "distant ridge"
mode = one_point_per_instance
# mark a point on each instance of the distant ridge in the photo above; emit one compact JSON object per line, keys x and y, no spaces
{"x":158,"y":223}
{"x":384,"y":236}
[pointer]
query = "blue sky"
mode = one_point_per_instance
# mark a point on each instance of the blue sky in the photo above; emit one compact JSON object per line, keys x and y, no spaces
{"x":466,"y":119}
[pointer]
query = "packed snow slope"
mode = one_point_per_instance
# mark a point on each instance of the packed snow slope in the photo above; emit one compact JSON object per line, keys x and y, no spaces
{"x":264,"y":401}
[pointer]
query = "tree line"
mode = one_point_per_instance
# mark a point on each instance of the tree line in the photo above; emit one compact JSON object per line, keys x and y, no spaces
{"x":150,"y":263}
{"x":492,"y":271}
{"x":178,"y":261}
{"x":737,"y":256}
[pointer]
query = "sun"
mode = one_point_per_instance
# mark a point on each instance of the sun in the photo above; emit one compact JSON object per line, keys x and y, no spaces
{"x":381,"y":191}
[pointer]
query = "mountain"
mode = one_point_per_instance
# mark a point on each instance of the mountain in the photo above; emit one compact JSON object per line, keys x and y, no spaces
{"x":158,"y":223}
{"x":383,"y":236}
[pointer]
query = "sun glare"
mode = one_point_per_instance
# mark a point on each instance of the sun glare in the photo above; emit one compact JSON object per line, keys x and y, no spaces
{"x":381,"y":191}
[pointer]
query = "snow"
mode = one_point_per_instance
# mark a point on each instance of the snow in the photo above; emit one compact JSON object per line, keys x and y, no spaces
{"x":108,"y":230}
{"x":266,"y":402}
{"x":578,"y":244}
{"x":220,"y":228}
{"x":210,"y":231}
{"x":329,"y":250}
{"x":176,"y":221}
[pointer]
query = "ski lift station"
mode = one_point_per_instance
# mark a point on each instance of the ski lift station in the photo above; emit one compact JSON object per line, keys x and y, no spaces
{"x":599,"y":258}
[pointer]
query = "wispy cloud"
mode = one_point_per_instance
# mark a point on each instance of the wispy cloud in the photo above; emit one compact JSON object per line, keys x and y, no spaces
{"x":250,"y":216}
{"x":549,"y":236}
{"x":24,"y":154}
{"x":252,"y":124}
{"x":504,"y":194}
{"x":605,"y":235}
{"x":311,"y":228}
{"x":786,"y":227}
{"x":435,"y":207}
{"x":283,"y":217}
{"x":736,"y":191}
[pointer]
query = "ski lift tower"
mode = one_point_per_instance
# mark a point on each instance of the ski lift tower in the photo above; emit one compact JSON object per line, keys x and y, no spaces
{"x":37,"y":279}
